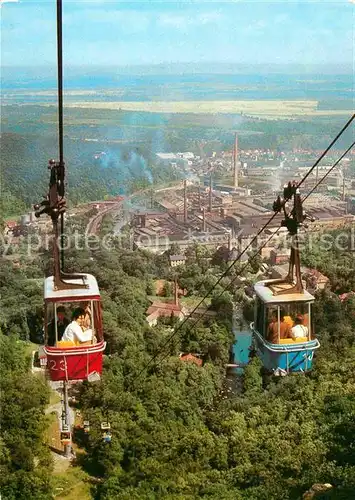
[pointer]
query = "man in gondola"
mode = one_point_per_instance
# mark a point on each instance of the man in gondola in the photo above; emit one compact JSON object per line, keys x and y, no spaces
{"x":74,"y":331}
{"x":299,"y":330}
{"x":62,"y":323}
{"x":285,"y":329}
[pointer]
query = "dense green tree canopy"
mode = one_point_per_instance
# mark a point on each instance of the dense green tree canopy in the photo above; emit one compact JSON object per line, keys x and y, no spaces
{"x":180,"y":430}
{"x":24,"y":460}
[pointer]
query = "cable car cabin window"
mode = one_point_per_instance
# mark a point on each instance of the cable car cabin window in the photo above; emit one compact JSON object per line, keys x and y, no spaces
{"x":56,"y":321}
{"x":289,"y":321}
{"x":98,"y":319}
{"x":299,"y":313}
{"x":73,"y":323}
{"x":311,"y":323}
{"x":260,"y":316}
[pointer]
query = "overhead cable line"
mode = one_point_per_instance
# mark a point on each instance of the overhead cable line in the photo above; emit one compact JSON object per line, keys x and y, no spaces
{"x":170,"y":338}
{"x":60,"y":115}
{"x":348,"y":123}
{"x":252,"y":257}
{"x":329,"y":171}
{"x":200,"y":317}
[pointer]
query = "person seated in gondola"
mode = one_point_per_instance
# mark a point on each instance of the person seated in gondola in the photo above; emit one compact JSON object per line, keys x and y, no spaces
{"x":107,"y":437}
{"x":288,"y":320}
{"x":74,"y":332}
{"x":299,"y":329}
{"x":62,"y":323}
{"x":86,"y":324}
{"x":305,"y":320}
{"x":285,"y":329}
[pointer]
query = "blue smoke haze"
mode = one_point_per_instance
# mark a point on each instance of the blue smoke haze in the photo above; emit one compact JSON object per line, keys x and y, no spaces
{"x":128,"y":165}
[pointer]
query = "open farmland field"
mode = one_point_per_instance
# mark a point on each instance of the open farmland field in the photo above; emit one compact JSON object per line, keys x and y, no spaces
{"x":261,"y":108}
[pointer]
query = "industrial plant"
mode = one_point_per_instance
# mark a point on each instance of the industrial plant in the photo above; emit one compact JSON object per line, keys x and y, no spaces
{"x":226,"y":199}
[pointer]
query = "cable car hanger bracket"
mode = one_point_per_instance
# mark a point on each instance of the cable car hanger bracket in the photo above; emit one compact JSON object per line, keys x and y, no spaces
{"x":54,"y":204}
{"x":293,"y":220}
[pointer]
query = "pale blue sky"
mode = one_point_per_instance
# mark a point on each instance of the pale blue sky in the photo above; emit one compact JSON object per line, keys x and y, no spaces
{"x":103,"y":32}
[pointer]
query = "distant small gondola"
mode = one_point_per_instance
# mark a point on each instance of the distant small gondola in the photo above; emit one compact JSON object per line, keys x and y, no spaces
{"x":107,"y":434}
{"x":65,"y":435}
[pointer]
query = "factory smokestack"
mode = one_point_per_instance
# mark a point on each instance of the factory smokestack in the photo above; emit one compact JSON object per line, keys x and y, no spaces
{"x":235,"y":162}
{"x":185,"y":201}
{"x":210,"y":195}
{"x":204,"y":219}
{"x":199,"y":196}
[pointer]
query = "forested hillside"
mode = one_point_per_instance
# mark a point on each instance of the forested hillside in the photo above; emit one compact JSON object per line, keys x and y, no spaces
{"x":25,"y":462}
{"x":334,"y":255}
{"x":177,"y":432}
{"x":24,"y":160}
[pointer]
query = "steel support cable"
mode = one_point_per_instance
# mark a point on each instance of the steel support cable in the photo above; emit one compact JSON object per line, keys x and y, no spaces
{"x":329,"y":171}
{"x":252,"y":257}
{"x":276,"y":213}
{"x":348,"y":123}
{"x":60,"y":78}
{"x":268,"y":222}
{"x":170,"y":338}
{"x":60,"y":114}
{"x":246,"y":248}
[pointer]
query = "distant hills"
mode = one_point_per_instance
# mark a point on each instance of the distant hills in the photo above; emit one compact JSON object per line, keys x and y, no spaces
{"x":233,"y":68}
{"x":15,"y":73}
{"x":190,"y":81}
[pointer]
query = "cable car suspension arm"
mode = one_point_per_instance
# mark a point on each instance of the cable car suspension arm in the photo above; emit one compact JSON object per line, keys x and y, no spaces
{"x":54,"y":203}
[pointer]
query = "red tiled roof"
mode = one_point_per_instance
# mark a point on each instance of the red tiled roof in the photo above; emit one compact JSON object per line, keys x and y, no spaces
{"x":163,"y":312}
{"x":163,"y":306}
{"x":317,"y":274}
{"x":163,"y":309}
{"x":345,"y":296}
{"x":280,"y":253}
{"x":191,"y":358}
{"x":153,"y":316}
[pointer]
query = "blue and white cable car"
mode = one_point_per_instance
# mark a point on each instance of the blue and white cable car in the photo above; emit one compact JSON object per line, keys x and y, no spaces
{"x":283,"y":330}
{"x":282,"y":355}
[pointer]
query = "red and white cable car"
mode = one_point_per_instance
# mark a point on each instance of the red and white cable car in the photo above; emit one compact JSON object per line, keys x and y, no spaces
{"x":78,"y":355}
{"x":68,"y":361}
